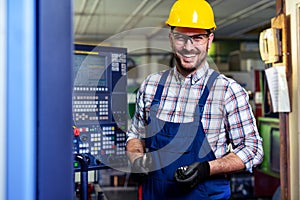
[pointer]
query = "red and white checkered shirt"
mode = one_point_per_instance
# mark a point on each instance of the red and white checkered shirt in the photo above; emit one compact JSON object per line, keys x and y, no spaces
{"x":227,"y":112}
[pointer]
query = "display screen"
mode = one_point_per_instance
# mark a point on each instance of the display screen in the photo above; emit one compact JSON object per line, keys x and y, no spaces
{"x":90,"y":70}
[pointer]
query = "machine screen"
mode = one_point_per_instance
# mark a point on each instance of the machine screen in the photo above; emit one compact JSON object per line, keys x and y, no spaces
{"x":90,"y":70}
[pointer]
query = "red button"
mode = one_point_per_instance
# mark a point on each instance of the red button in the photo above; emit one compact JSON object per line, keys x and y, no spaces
{"x":76,"y":132}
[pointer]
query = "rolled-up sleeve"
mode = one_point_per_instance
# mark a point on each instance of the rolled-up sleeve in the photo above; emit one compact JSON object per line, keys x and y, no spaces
{"x":242,"y":128}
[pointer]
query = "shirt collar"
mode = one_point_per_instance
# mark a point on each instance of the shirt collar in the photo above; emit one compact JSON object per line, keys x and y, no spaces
{"x":193,"y":78}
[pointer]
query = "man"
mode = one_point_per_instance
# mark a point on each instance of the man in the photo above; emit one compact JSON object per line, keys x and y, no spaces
{"x":187,"y":117}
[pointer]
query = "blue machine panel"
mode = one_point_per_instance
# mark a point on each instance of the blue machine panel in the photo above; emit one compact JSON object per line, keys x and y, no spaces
{"x":100,"y":105}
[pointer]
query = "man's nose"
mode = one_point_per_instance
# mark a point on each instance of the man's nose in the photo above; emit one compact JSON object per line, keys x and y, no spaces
{"x":189,"y":44}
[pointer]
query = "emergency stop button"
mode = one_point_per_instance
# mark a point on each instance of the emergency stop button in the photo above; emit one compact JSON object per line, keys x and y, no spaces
{"x":76,"y":132}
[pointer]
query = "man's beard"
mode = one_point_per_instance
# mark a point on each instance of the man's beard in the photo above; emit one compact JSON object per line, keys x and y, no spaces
{"x":181,"y":67}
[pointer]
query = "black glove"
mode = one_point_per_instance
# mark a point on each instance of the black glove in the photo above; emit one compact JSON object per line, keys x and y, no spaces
{"x":140,"y":167}
{"x":193,"y":174}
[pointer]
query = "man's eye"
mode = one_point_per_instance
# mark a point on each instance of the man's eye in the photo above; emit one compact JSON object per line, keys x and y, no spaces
{"x":179,"y":37}
{"x":198,"y":37}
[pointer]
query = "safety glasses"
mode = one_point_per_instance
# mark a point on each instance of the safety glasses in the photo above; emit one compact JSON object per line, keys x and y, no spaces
{"x":198,"y":39}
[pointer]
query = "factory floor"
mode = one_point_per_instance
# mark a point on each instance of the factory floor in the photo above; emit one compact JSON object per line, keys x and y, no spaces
{"x":116,"y":186}
{"x":130,"y":193}
{"x":111,"y":193}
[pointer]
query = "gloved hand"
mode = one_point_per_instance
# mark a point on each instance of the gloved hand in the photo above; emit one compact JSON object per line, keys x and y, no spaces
{"x":141,"y":166}
{"x":193,"y":174}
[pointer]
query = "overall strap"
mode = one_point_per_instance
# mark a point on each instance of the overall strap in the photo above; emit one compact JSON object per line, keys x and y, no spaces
{"x":160,"y":88}
{"x":206,"y":91}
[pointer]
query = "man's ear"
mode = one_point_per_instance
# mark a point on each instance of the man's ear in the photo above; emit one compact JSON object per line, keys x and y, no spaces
{"x":171,"y":40}
{"x":210,"y":39}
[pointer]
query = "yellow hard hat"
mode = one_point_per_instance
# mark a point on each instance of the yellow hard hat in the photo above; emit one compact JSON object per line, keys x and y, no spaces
{"x":192,"y":14}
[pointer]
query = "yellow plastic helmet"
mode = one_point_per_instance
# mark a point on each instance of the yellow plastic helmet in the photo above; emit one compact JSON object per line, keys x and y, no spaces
{"x":192,"y":14}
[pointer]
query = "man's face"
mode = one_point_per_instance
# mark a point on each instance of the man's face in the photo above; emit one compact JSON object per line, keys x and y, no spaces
{"x":190,"y":48}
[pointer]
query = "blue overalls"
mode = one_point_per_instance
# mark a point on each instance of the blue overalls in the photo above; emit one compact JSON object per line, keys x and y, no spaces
{"x":174,"y":145}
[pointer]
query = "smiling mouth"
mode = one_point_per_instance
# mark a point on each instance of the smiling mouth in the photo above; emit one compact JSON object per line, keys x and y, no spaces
{"x":188,"y":55}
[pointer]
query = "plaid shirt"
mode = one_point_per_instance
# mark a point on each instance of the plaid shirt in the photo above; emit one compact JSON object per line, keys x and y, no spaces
{"x":227,"y":113}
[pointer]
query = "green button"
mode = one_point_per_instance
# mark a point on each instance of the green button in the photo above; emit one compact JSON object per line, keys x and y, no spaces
{"x":76,"y":164}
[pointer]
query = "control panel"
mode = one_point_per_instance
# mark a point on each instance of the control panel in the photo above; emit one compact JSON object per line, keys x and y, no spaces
{"x":99,"y":106}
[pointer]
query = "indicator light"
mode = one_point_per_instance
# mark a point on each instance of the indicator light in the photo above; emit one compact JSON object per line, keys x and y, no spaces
{"x":76,"y":164}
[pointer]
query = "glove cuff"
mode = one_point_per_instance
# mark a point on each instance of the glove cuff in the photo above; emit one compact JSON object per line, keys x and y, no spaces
{"x":204,"y":170}
{"x":136,"y":165}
